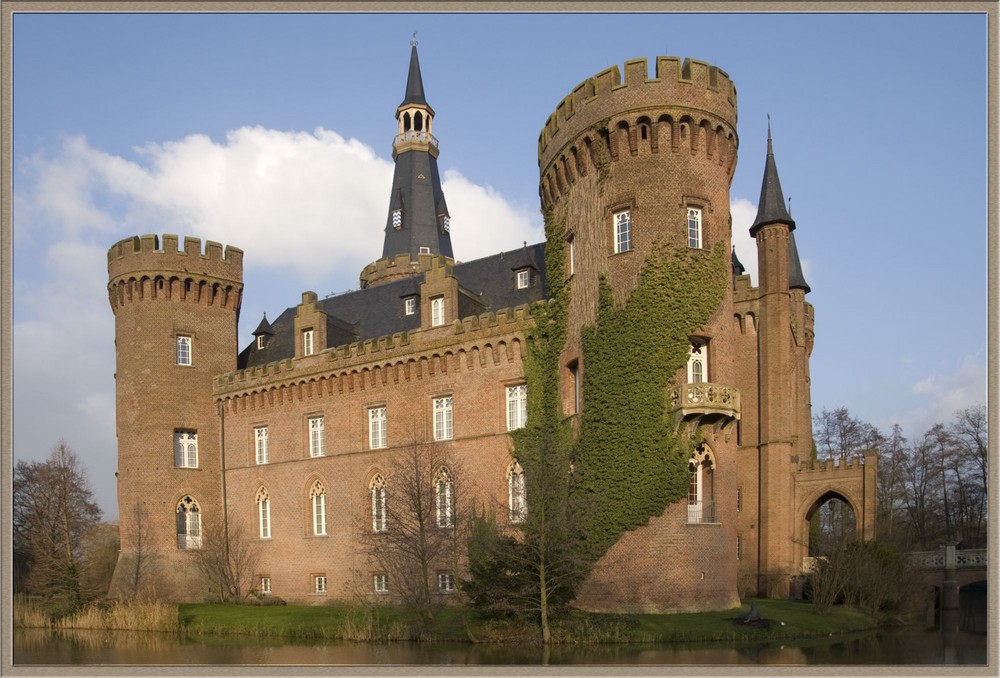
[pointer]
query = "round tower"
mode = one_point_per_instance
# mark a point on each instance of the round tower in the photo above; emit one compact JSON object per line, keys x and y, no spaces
{"x":630,"y":168}
{"x":176,"y":314}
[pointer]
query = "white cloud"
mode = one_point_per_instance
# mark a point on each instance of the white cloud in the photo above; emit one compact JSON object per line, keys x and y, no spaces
{"x":943,"y":394}
{"x":744,"y":212}
{"x":483,"y":222}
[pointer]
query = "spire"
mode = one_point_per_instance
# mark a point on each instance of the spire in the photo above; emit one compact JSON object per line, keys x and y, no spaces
{"x":414,"y":83}
{"x":263,"y":328}
{"x":796,"y":281}
{"x":738,"y":268}
{"x":771,"y":206}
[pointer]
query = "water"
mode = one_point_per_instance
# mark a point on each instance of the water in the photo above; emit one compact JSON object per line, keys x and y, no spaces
{"x":883,"y":647}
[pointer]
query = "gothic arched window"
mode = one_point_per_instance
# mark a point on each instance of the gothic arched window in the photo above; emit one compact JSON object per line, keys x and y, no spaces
{"x":317,"y":497}
{"x":518,"y":499}
{"x":379,"y":522}
{"x":264,"y":513}
{"x":188,"y":524}
{"x":444,"y":498}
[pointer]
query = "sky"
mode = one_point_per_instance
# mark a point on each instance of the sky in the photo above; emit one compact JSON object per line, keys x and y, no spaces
{"x":272,"y":133}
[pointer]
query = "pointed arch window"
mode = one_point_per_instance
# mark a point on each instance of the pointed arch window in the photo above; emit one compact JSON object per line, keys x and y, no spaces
{"x":188,"y":524}
{"x":317,"y":497}
{"x":697,"y":367}
{"x":444,"y":498}
{"x":263,"y":513}
{"x":379,"y":521}
{"x":518,"y":500}
{"x":701,"y":486}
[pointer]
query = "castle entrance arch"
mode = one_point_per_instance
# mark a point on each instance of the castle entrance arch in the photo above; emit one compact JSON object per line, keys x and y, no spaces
{"x":831,"y":520}
{"x":847,"y":483}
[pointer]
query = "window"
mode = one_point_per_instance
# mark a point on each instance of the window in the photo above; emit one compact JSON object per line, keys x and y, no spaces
{"x":574,"y":385}
{"x":319,"y":583}
{"x":523,"y":279}
{"x":444,"y":499}
{"x":739,"y":498}
{"x":378,"y":504}
{"x":446,"y":224}
{"x":424,"y":250}
{"x":437,"y":311}
{"x":188,"y":524}
{"x":410,"y":305}
{"x":694,"y":227}
{"x":697,"y":367}
{"x":264,"y":513}
{"x":516,"y":492}
{"x":317,"y":436}
{"x":317,"y":495}
{"x":443,"y":418}
{"x":701,"y":505}
{"x":381,"y":582}
{"x":517,"y":406}
{"x":446,"y":582}
{"x":265,"y":585}
{"x":183,"y":350}
{"x":260,"y":437}
{"x":260,"y":341}
{"x":307,"y":342}
{"x":376,"y":427}
{"x":571,"y":255}
{"x":739,"y":546}
{"x":623,"y":231}
{"x":397,"y":219}
{"x":186,"y":449}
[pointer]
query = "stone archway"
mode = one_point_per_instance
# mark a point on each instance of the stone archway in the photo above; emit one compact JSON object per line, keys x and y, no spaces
{"x":852,"y":481}
{"x":838,"y":519}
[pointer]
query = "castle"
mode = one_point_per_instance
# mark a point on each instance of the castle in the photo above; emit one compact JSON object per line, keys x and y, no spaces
{"x":295,"y":433}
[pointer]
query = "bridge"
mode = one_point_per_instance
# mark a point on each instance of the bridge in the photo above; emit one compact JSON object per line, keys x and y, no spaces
{"x":950,"y":569}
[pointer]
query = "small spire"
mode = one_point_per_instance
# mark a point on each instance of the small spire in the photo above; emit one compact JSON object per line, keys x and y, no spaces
{"x":738,"y":268}
{"x":414,"y":41}
{"x":796,"y":281}
{"x":414,"y":83}
{"x":771,"y":206}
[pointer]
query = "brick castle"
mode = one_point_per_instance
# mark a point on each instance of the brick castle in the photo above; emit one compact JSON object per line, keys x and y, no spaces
{"x":294,"y":435}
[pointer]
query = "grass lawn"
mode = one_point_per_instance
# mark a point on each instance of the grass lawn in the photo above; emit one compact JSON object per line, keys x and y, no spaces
{"x":788,"y":619}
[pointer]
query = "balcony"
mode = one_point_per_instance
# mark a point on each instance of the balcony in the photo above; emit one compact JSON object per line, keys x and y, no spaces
{"x":414,"y":138}
{"x":706,"y":403}
{"x":701,"y":512}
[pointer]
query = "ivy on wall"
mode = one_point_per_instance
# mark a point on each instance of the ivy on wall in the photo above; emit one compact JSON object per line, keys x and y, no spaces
{"x":630,"y":460}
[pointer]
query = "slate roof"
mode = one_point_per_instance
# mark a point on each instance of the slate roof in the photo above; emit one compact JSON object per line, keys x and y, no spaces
{"x":415,"y":83}
{"x":771,"y":206}
{"x":485,"y":285}
{"x":796,"y":281}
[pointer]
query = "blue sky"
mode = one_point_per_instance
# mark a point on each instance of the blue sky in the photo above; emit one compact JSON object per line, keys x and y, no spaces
{"x":273,"y":133}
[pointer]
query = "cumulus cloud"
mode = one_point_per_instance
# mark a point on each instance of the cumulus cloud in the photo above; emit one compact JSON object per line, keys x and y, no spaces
{"x":744,"y":212}
{"x":942,"y":394}
{"x":483,"y":222}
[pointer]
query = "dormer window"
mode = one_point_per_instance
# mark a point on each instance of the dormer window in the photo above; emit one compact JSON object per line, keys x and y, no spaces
{"x":523,"y":278}
{"x":425,"y":250}
{"x":437,"y":311}
{"x":410,"y":305}
{"x":446,"y":224}
{"x":397,"y":219}
{"x":307,"y":342}
{"x":260,"y":342}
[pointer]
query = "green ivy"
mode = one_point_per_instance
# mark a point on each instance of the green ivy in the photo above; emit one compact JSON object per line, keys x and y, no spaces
{"x":630,"y":460}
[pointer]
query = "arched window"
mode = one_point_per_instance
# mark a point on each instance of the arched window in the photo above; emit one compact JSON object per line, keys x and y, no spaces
{"x":444,"y":498}
{"x":188,"y":524}
{"x":264,"y":513}
{"x":697,"y":368}
{"x":701,"y":487}
{"x":317,"y":496}
{"x":378,"y":503}
{"x":516,"y":493}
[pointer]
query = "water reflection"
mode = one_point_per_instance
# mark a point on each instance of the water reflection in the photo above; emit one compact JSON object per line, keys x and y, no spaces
{"x":893,"y":647}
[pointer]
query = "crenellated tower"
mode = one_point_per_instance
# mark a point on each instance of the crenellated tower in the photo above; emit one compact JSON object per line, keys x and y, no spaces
{"x":631,"y":167}
{"x":176,"y":313}
{"x":418,"y":222}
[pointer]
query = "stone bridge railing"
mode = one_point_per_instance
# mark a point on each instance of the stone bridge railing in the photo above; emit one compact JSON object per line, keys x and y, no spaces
{"x":950,"y":558}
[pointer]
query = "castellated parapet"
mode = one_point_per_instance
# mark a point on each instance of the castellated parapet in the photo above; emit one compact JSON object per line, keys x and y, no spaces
{"x":688,"y":105}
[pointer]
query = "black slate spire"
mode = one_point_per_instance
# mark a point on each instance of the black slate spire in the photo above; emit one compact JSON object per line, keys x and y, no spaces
{"x":738,"y":268}
{"x":796,"y":281}
{"x":771,"y":207}
{"x":418,"y":220}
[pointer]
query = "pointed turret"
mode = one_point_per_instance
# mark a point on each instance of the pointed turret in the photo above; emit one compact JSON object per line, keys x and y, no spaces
{"x":796,"y":281}
{"x":771,"y":206}
{"x":414,"y":83}
{"x":738,"y":267}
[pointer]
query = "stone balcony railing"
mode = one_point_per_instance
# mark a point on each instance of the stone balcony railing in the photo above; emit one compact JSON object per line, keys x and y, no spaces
{"x":949,"y":558}
{"x":706,"y":403}
{"x":414,"y":137}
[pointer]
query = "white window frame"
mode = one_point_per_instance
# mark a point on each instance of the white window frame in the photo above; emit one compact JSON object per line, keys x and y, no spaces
{"x":444,"y":499}
{"x":446,"y":224}
{"x":523,"y":279}
{"x":572,"y":255}
{"x":380,"y":584}
{"x":378,"y":494}
{"x":694,"y":227}
{"x":263,"y":514}
{"x":410,"y":306}
{"x":697,"y":366}
{"x":260,"y":341}
{"x":184,"y":353}
{"x":517,"y":406}
{"x":424,"y":250}
{"x":308,"y":346}
{"x":265,"y":585}
{"x":261,"y":438}
{"x":317,"y":497}
{"x":623,"y":231}
{"x":516,"y":494}
{"x":446,"y":582}
{"x":437,"y":311}
{"x":317,"y":436}
{"x":397,"y":219}
{"x":444,"y":418}
{"x":189,"y":527}
{"x":319,"y":583}
{"x":377,"y":428}
{"x":185,"y":448}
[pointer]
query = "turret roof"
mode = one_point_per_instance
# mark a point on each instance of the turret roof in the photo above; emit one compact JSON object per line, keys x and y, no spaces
{"x":738,"y":267}
{"x":414,"y":83}
{"x":796,"y":281}
{"x":771,"y":206}
{"x":263,"y":328}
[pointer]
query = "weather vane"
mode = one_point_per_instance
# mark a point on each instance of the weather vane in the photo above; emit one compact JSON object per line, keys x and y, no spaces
{"x":414,"y":41}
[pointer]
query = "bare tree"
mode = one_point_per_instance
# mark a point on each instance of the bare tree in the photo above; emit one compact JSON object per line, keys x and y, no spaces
{"x":227,"y":559}
{"x":839,"y":435}
{"x":141,"y":574}
{"x":892,"y":459}
{"x":53,"y":510}
{"x":413,"y":526}
{"x":969,"y":433}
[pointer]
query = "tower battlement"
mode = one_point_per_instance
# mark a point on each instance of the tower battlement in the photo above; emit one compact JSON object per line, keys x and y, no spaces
{"x":686,"y":84}
{"x":148,"y":254}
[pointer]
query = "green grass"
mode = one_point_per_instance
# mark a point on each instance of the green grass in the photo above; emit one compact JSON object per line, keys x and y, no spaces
{"x":789,"y":619}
